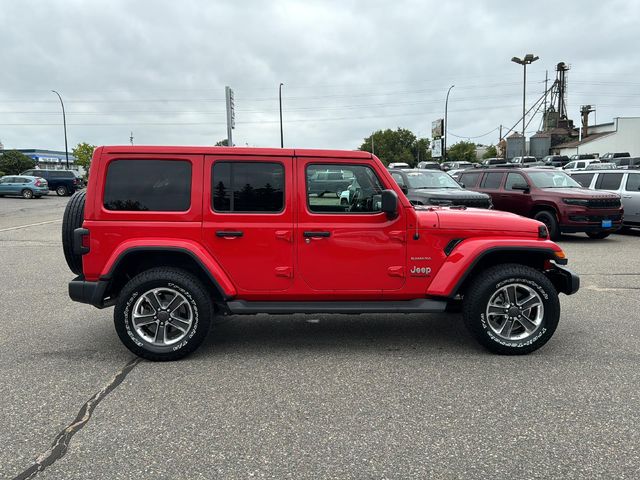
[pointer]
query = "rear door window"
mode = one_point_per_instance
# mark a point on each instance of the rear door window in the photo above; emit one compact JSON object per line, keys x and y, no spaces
{"x":609,"y":181}
{"x":583,"y":179}
{"x":247,"y":187}
{"x":148,"y":185}
{"x":580,"y":165}
{"x":492,"y":180}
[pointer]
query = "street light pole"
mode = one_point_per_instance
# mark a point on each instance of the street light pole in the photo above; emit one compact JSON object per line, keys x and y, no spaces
{"x":528,"y":59}
{"x":64,"y":122}
{"x":444,"y":134}
{"x":280,"y":99}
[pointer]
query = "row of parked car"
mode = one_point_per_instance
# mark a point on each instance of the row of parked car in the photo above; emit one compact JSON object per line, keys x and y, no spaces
{"x":595,"y":202}
{"x":36,"y":183}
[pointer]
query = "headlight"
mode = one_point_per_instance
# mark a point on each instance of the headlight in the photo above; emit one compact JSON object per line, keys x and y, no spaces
{"x":576,"y":201}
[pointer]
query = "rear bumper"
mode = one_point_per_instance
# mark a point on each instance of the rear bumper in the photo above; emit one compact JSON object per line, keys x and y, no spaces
{"x":92,"y":293}
{"x":564,"y":279}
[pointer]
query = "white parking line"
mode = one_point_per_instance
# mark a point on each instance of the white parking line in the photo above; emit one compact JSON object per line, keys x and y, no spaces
{"x":29,"y":225}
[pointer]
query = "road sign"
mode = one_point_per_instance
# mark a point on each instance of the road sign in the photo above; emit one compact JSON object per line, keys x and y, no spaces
{"x":436,"y":148}
{"x":437,"y":127}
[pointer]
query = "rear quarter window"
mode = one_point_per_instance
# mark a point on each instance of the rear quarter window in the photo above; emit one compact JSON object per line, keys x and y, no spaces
{"x":148,"y":185}
{"x":583,"y":179}
{"x":633,"y":182}
{"x":470,"y":180}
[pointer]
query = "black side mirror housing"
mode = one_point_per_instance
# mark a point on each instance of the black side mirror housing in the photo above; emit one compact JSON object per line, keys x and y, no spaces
{"x":390,"y":203}
{"x":521,"y":186}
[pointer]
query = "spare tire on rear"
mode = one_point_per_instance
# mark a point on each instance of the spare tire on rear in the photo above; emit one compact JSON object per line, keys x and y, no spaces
{"x":72,"y":219}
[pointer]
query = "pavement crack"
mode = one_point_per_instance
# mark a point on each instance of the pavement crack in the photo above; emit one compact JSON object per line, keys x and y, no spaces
{"x":60,"y":444}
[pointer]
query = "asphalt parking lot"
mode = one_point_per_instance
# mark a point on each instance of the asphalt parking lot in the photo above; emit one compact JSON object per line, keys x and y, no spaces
{"x":369,"y":396}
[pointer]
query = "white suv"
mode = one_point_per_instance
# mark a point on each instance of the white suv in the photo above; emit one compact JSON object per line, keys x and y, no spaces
{"x":579,"y":164}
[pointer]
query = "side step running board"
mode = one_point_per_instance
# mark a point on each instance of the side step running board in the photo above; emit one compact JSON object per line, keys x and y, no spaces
{"x":396,"y":306}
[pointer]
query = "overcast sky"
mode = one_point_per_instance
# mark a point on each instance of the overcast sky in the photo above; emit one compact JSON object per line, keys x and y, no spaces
{"x":159,"y":68}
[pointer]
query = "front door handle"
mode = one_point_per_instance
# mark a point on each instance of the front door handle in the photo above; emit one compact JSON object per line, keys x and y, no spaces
{"x":316,"y":234}
{"x":627,"y":196}
{"x":229,"y":233}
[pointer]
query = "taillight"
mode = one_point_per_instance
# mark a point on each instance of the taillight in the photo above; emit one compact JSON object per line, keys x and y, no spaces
{"x":38,"y":184}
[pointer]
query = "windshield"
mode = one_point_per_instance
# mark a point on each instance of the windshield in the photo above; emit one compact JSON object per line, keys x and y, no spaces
{"x":431,"y":180}
{"x":553,"y":180}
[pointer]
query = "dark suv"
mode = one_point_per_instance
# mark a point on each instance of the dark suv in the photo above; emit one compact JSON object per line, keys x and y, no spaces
{"x":437,"y":188}
{"x":63,"y":182}
{"x":552,"y":197}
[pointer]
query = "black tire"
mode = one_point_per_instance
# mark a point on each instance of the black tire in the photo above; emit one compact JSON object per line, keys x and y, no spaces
{"x":174,"y":279}
{"x":62,"y":191}
{"x":598,"y":235}
{"x":550,"y":220}
{"x":490,"y":282}
{"x":72,"y":219}
{"x":26,"y":193}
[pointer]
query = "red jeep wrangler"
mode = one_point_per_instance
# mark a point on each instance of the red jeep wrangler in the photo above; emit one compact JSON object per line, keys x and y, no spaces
{"x":175,"y":235}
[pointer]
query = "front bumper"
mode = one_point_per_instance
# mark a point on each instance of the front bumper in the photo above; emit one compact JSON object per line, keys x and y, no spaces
{"x":563,"y":279}
{"x":92,"y":293}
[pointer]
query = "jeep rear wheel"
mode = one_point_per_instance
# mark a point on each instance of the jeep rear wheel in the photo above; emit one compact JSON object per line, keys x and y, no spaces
{"x":551,"y":222}
{"x":163,"y":314}
{"x":511,"y":309}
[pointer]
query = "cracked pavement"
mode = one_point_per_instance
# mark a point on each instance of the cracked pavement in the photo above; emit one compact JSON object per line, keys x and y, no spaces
{"x":371,"y":396}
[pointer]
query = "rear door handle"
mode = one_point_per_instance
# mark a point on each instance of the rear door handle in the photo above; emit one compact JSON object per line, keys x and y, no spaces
{"x":229,"y":234}
{"x":316,"y":234}
{"x":627,"y":196}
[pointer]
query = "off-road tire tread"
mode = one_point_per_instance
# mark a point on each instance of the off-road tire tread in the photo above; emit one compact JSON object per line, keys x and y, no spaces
{"x":187,"y":281}
{"x":72,"y":219}
{"x":488,"y":278}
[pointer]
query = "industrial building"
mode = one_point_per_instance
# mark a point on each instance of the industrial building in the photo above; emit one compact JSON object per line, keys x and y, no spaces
{"x":621,"y":135}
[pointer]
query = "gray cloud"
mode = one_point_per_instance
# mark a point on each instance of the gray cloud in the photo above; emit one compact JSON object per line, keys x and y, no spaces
{"x":159,"y":68}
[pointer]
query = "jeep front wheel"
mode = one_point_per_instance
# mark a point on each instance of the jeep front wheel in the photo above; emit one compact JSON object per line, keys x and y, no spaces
{"x":511,"y":309}
{"x":163,"y":314}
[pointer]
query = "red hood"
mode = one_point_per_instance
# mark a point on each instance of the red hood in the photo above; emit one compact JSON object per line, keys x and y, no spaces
{"x":477,"y":219}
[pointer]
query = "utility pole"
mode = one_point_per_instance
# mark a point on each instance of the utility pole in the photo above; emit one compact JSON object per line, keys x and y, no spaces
{"x":372,"y":150}
{"x":446,"y":125}
{"x":231,"y":116}
{"x":280,"y":100}
{"x":544,"y":112}
{"x":64,"y":121}
{"x":528,"y":59}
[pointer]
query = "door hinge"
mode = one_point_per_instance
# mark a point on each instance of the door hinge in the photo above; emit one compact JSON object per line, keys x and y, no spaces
{"x":396,"y":271}
{"x":286,"y":272}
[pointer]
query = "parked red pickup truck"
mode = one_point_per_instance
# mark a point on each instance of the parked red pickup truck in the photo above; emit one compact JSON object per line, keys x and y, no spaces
{"x":173,"y":236}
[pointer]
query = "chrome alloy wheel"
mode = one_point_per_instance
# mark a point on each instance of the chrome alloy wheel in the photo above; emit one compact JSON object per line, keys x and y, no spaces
{"x":162,"y":316}
{"x":515,"y":311}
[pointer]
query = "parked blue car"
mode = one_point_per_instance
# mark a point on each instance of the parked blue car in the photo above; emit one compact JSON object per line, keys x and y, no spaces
{"x":24,"y":186}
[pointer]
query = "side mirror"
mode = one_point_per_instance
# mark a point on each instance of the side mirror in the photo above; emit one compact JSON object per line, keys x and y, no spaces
{"x":390,"y":203}
{"x":520,"y":186}
{"x":461,"y":184}
{"x":404,"y":189}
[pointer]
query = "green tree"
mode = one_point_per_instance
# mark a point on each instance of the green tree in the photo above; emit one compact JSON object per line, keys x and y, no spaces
{"x":462,"y":152}
{"x":223,"y":143}
{"x":399,"y":145}
{"x":491,"y":152}
{"x":83,"y":153}
{"x":13,"y":162}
